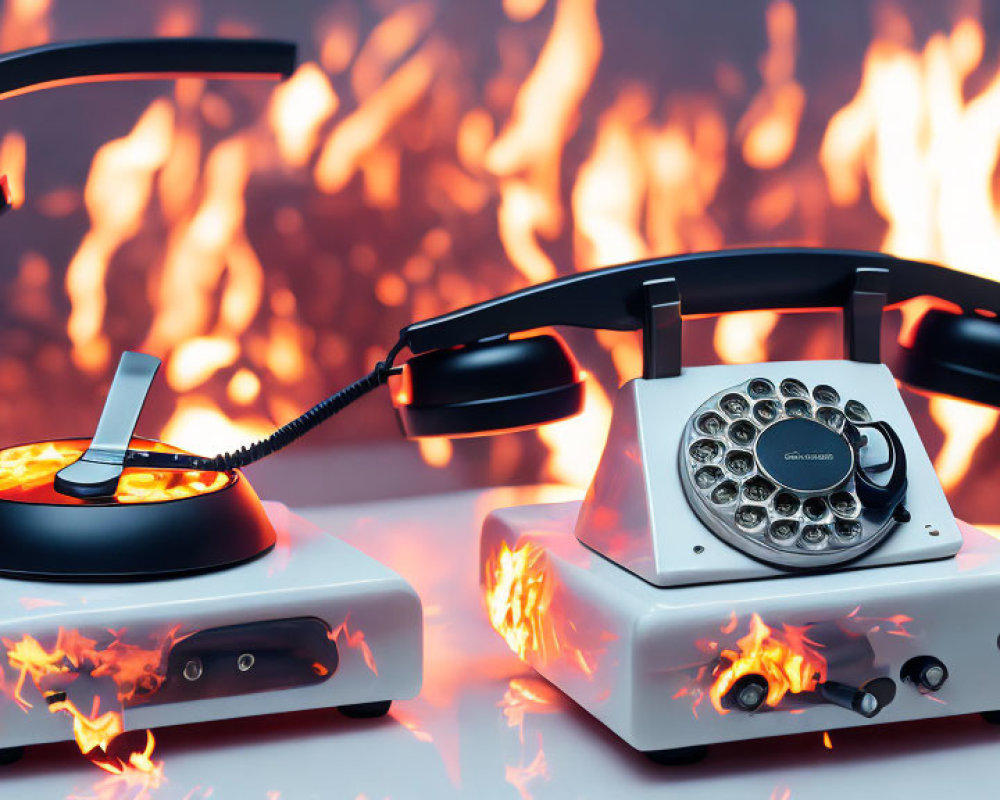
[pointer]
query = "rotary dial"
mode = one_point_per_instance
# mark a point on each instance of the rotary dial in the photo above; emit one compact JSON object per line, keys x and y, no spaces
{"x":773,"y":470}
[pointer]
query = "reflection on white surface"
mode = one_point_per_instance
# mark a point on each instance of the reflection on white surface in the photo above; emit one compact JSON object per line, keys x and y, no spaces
{"x":485,"y":726}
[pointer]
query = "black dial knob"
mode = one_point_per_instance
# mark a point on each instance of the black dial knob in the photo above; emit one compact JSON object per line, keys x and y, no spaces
{"x":925,"y":672}
{"x":748,"y":693}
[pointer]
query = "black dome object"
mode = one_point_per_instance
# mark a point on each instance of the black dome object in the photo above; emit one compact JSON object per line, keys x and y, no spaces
{"x":489,"y":386}
{"x":955,"y":354}
{"x":45,"y":535}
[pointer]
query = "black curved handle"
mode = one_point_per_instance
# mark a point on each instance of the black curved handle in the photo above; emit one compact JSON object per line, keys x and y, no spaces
{"x":871,"y":494}
{"x":708,"y":283}
{"x":116,"y":59}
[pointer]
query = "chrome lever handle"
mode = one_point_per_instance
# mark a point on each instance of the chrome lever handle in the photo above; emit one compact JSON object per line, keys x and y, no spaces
{"x":96,"y":473}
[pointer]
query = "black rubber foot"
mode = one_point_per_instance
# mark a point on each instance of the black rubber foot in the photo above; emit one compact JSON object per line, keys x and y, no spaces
{"x":992,"y":717}
{"x":8,"y":755}
{"x":366,"y":710}
{"x":678,"y":756}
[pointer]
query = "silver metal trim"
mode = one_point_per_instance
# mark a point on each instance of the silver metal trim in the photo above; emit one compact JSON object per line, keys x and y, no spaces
{"x":96,"y":472}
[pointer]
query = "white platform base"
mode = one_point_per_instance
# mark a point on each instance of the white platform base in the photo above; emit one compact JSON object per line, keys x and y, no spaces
{"x":372,"y":615}
{"x":639,"y":658}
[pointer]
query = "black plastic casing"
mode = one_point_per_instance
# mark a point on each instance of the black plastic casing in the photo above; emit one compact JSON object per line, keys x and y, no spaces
{"x":955,"y":354}
{"x":134,"y":541}
{"x":495,"y":385}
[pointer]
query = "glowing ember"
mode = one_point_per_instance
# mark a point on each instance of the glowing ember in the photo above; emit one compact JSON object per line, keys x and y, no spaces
{"x":26,"y":474}
{"x":787,"y":659}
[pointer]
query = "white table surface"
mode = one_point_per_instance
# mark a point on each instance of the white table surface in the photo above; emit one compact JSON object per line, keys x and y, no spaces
{"x":485,"y":726}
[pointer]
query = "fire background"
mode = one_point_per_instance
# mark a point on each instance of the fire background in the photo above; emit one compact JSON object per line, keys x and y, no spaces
{"x":268,"y":240}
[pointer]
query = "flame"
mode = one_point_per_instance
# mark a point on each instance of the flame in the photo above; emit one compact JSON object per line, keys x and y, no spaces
{"x":826,"y":740}
{"x":787,"y":659}
{"x":520,"y":776}
{"x":24,"y":23}
{"x":354,"y":137}
{"x":770,"y":125}
{"x":299,"y":107}
{"x":575,"y":444}
{"x":965,"y":426}
{"x":355,"y":640}
{"x":118,"y":188}
{"x":13,"y":156}
{"x":517,"y":591}
{"x":929,"y":154}
{"x":519,"y":587}
{"x":435,"y":451}
{"x":92,"y":732}
{"x":527,"y":696}
{"x":741,"y":338}
{"x":26,"y":475}
{"x":527,"y":153}
{"x":133,"y":669}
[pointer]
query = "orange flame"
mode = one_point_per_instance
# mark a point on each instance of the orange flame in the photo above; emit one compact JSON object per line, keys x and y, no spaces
{"x":133,"y":669}
{"x":965,"y":426}
{"x":517,"y":591}
{"x":355,"y":640}
{"x":527,"y":153}
{"x":13,"y":157}
{"x":770,"y":126}
{"x":929,"y":154}
{"x":118,"y":189}
{"x":299,"y":107}
{"x":521,"y":776}
{"x":787,"y":659}
{"x":26,"y":475}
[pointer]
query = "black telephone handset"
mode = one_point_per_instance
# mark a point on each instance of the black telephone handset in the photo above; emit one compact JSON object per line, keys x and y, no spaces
{"x":468,"y":375}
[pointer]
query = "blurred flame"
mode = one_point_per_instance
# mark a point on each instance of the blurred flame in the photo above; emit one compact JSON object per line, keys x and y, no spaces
{"x":520,"y":776}
{"x":522,"y":10}
{"x":13,"y":157}
{"x":770,"y":126}
{"x":299,"y":107}
{"x":928,"y":153}
{"x":965,"y":425}
{"x":526,"y":156}
{"x":24,"y":23}
{"x":826,"y":740}
{"x":435,"y":451}
{"x":741,"y":338}
{"x":575,"y":444}
{"x":787,"y":659}
{"x":355,"y":136}
{"x":117,"y":191}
